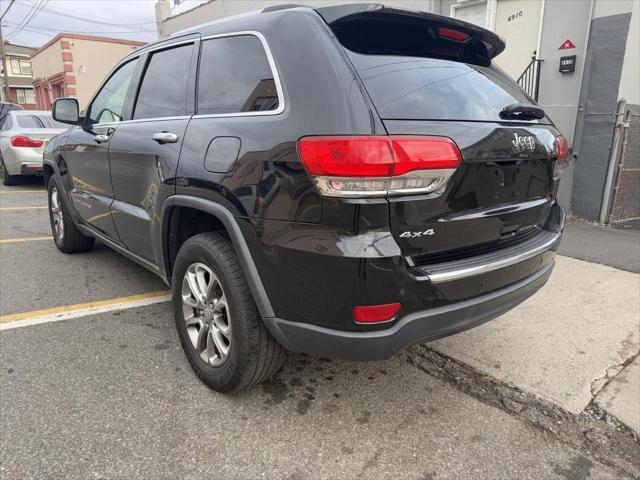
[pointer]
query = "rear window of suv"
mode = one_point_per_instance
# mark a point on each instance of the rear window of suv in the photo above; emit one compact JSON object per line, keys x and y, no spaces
{"x":417,"y":88}
{"x":411,"y":73}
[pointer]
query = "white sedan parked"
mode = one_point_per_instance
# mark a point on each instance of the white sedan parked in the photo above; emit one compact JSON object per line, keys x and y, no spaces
{"x":23,"y":136}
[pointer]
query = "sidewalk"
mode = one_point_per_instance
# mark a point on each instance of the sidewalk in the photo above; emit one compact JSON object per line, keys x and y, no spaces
{"x":575,"y":343}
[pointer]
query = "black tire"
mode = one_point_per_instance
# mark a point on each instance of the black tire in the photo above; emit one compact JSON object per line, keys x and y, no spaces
{"x":72,"y":240}
{"x":7,"y":180}
{"x":254,"y":355}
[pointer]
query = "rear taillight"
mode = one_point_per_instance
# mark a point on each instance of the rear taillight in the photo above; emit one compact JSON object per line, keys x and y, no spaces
{"x":368,"y":166}
{"x":376,"y":313}
{"x":561,"y":155}
{"x":22,"y":141}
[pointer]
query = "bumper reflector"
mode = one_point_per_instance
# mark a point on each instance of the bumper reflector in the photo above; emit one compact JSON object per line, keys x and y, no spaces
{"x":375,"y":313}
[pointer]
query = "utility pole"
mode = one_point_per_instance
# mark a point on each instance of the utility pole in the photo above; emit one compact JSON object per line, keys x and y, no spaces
{"x":5,"y":76}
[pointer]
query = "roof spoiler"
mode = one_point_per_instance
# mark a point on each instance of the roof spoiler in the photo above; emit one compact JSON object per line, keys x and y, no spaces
{"x":339,"y":14}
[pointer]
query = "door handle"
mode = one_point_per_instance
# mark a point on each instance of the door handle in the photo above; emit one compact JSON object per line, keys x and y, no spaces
{"x":101,"y":138}
{"x":165,"y":137}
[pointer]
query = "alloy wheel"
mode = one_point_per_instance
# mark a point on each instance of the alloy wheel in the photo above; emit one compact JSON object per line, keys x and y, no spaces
{"x":206,"y":314}
{"x":56,"y":214}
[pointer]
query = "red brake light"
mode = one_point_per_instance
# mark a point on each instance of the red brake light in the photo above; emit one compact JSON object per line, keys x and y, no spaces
{"x":375,"y":313}
{"x":23,"y":141}
{"x":562,"y":149}
{"x":358,"y":166}
{"x":562,"y":155}
{"x":452,"y":34}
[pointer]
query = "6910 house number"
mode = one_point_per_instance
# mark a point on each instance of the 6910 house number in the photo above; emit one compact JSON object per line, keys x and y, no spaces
{"x":514,"y":16}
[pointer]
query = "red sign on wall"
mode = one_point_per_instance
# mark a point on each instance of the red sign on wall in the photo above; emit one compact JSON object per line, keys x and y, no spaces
{"x":566,"y":45}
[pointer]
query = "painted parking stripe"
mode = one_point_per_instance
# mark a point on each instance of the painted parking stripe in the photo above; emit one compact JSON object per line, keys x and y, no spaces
{"x":68,"y":312}
{"x":25,"y":239}
{"x":22,"y":208}
{"x":4,"y":192}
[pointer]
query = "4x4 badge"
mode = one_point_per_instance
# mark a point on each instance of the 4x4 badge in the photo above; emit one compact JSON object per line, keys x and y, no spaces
{"x":410,"y":234}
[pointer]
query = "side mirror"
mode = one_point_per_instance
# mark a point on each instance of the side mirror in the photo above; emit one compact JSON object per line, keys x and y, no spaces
{"x":65,"y":110}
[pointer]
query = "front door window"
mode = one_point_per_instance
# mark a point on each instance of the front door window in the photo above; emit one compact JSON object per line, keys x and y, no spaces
{"x":108,"y":105}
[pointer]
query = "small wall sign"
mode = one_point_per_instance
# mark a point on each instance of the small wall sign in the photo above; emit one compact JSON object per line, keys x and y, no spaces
{"x":568,"y":64}
{"x":567,"y":44}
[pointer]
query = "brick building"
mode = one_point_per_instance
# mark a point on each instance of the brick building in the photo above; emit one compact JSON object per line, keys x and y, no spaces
{"x":18,"y":69}
{"x":75,"y":65}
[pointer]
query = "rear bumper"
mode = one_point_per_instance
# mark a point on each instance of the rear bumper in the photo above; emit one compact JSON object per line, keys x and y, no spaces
{"x":416,"y":327}
{"x":24,"y":161}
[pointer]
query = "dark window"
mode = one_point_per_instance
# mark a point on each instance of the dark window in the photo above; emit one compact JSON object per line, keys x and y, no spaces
{"x":235,"y":76}
{"x":163,"y":92}
{"x":411,"y":72}
{"x":422,"y":88}
{"x":108,"y":106}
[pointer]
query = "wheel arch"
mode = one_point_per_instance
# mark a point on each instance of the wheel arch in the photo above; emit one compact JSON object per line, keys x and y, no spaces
{"x":232,"y":229}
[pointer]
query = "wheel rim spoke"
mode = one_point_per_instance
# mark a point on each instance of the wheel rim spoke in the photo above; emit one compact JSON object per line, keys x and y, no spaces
{"x":220,"y":314}
{"x":201,"y":340}
{"x":222,"y":347}
{"x":195,"y":289}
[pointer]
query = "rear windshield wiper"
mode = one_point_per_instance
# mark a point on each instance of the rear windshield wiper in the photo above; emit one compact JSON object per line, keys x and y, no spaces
{"x":522,"y":111}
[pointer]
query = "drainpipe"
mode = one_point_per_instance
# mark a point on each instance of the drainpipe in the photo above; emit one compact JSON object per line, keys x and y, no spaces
{"x":613,"y":160}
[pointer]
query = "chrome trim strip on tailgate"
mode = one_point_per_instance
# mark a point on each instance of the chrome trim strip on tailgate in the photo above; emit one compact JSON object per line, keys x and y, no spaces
{"x":468,"y":267}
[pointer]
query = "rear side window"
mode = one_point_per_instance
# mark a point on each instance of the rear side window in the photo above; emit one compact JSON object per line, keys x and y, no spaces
{"x":38,"y":121}
{"x":163,"y":92}
{"x":235,"y":76}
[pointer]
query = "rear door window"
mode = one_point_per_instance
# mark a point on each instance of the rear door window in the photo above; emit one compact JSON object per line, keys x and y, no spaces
{"x":235,"y":77}
{"x":163,"y":91}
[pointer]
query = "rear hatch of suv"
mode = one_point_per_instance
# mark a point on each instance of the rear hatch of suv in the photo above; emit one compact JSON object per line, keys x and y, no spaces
{"x":428,"y":75}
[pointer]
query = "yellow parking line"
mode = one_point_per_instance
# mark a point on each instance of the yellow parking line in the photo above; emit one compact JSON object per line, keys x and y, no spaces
{"x":81,"y":309}
{"x":25,"y":239}
{"x":22,"y":208}
{"x":2,"y":192}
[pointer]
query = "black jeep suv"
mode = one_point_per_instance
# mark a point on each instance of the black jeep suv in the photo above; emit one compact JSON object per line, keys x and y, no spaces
{"x":342,"y":181}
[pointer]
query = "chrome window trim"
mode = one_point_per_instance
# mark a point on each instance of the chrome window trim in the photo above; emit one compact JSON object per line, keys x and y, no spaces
{"x":274,"y":72}
{"x":166,"y":46}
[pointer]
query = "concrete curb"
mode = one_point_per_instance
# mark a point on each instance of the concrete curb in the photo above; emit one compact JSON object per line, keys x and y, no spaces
{"x":593,"y":431}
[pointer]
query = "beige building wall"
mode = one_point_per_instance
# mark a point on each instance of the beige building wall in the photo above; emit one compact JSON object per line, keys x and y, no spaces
{"x":217,"y":9}
{"x":92,"y":61}
{"x":47,"y":62}
{"x":630,"y":80}
{"x":518,"y":21}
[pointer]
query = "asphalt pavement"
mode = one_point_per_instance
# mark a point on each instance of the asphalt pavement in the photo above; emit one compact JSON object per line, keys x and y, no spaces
{"x":110,"y":395}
